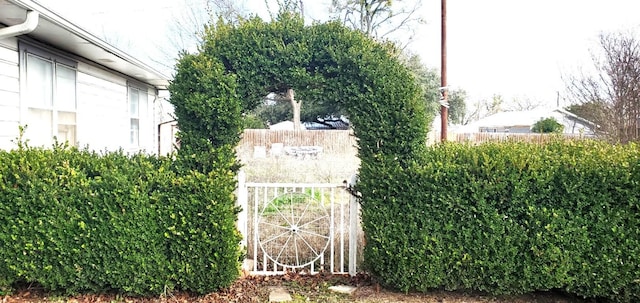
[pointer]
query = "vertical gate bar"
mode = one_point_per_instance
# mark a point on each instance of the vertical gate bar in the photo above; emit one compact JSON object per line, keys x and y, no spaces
{"x":255,"y":228}
{"x":331,"y":229}
{"x":353,"y":227}
{"x":276,"y":192}
{"x":265,"y":261}
{"x":275,"y":195}
{"x":341,"y":233}
{"x":322,"y":201}
{"x":313,"y":196}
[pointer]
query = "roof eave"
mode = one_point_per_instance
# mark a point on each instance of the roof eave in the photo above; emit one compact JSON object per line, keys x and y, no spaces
{"x":122,"y":62}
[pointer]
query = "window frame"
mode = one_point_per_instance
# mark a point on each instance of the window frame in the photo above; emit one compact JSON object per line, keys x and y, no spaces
{"x":141,"y":113}
{"x":56,"y":107}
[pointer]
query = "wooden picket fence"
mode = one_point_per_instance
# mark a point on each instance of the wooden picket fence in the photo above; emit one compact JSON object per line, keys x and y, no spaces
{"x":479,"y":138}
{"x":331,"y":141}
{"x":344,"y":142}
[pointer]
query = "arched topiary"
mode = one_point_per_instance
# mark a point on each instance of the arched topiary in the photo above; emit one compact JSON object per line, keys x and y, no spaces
{"x":325,"y":63}
{"x":239,"y":64}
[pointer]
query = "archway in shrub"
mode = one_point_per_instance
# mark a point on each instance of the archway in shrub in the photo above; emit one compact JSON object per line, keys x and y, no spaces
{"x":238,"y":64}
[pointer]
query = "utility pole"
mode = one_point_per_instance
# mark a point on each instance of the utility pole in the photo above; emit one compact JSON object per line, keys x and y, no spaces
{"x":444,"y":101}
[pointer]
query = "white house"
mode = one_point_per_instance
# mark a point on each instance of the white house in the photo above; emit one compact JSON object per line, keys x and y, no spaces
{"x":523,"y":121}
{"x":62,"y":81}
{"x":285,"y":125}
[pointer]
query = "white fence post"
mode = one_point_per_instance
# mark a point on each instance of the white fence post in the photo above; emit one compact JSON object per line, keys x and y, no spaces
{"x":243,"y":202}
{"x":354,"y":220}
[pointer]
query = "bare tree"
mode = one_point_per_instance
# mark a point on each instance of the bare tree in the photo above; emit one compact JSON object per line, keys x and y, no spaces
{"x":611,"y":95}
{"x":522,"y":104}
{"x":229,"y":10}
{"x":483,"y":108}
{"x":378,"y":18}
{"x":296,"y":6}
{"x":186,"y":32}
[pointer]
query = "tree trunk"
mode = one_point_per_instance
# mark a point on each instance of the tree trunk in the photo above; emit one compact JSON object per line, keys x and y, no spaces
{"x":295,"y":106}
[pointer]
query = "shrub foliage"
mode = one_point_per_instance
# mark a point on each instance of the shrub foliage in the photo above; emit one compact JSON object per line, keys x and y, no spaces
{"x":75,"y":220}
{"x":323,"y":63}
{"x":508,"y":218}
{"x":547,"y":125}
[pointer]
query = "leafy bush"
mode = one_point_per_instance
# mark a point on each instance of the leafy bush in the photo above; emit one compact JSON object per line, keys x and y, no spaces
{"x":547,"y":125}
{"x":507,"y":218}
{"x":324,"y":63}
{"x":75,"y":220}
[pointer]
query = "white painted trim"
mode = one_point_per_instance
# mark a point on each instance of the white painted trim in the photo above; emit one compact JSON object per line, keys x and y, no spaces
{"x":64,"y":24}
{"x":29,"y":25}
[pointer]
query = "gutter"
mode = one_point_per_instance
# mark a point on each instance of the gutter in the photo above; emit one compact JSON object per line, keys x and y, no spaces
{"x":29,"y":25}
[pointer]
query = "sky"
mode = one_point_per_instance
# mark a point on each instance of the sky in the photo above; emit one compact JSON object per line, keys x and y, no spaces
{"x":516,"y":49}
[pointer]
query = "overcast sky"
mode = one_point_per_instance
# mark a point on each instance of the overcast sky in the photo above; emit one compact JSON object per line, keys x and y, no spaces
{"x":518,"y":49}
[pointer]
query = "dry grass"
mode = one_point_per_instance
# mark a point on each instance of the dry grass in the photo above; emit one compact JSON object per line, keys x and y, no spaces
{"x":327,"y":168}
{"x":264,"y":161}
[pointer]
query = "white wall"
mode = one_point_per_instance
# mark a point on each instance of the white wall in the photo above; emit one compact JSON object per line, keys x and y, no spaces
{"x":9,"y":92}
{"x":103,"y":112}
{"x":102,"y":117}
{"x":168,"y":126}
{"x":571,"y":126}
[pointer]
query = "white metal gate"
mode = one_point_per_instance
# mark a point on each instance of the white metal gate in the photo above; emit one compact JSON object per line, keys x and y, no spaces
{"x":299,"y":227}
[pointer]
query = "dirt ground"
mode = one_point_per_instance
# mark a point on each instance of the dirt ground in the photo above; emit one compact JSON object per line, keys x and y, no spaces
{"x":303,"y":288}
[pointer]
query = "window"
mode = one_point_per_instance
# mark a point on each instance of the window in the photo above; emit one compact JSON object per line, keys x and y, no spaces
{"x":50,"y":96}
{"x":137,"y":112}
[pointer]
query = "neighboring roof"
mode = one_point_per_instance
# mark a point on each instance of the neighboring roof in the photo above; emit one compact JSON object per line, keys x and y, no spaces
{"x":59,"y":32}
{"x":518,"y":119}
{"x":576,"y":117}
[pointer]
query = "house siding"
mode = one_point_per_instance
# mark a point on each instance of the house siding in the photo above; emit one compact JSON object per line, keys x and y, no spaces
{"x":573,"y":126}
{"x":102,"y":112}
{"x":102,"y":109}
{"x":9,"y":92}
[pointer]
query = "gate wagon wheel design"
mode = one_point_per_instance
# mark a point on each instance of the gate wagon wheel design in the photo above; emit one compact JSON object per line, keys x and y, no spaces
{"x":293,"y":230}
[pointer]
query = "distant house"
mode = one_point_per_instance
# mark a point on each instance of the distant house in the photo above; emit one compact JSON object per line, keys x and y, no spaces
{"x":64,"y":82}
{"x":522,"y":122}
{"x":285,"y":125}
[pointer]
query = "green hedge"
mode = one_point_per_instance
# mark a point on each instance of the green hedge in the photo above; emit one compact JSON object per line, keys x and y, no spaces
{"x":76,"y":220}
{"x":507,"y":218}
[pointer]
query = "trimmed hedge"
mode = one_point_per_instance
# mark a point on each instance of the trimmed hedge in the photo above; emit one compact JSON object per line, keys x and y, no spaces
{"x":507,"y":218}
{"x":76,"y":220}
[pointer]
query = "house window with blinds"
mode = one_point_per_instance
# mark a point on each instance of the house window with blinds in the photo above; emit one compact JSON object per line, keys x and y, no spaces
{"x":50,"y":98}
{"x":137,"y":113}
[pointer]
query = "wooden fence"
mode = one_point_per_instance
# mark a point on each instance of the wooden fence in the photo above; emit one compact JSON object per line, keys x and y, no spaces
{"x":478,"y":138}
{"x":343,"y":141}
{"x":331,"y":141}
